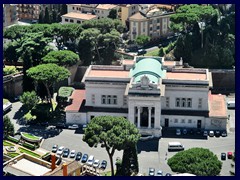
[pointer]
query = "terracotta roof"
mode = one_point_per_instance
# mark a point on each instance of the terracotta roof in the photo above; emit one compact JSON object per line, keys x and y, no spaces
{"x":106,"y":6}
{"x":186,"y":76}
{"x":127,"y":62}
{"x":108,"y":73}
{"x":217,"y":106}
{"x":79,"y":16}
{"x":137,"y":16}
{"x":77,"y":98}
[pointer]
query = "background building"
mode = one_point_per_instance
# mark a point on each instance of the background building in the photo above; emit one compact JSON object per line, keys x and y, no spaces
{"x":29,"y":11}
{"x":10,"y":15}
{"x":74,"y":17}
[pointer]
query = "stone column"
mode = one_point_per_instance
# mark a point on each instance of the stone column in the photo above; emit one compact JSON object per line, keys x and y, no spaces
{"x":138,"y":118}
{"x":131,"y":112}
{"x":149,"y":117}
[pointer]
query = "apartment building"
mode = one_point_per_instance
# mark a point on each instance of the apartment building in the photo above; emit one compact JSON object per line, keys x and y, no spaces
{"x":9,"y":14}
{"x":82,"y":8}
{"x":102,"y":10}
{"x":75,"y":17}
{"x":127,"y":10}
{"x":29,"y":11}
{"x":153,"y":22}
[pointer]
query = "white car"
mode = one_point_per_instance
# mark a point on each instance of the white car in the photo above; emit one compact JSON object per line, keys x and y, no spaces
{"x":60,"y":150}
{"x":205,"y":133}
{"x":72,"y":154}
{"x":96,"y":163}
{"x":211,"y":133}
{"x":74,"y":126}
{"x":178,"y":132}
{"x":90,"y":160}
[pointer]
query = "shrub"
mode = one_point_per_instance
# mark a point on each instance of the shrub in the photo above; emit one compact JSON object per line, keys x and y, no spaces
{"x":9,"y":70}
{"x":29,"y":116}
{"x":65,"y":91}
{"x":13,"y":154}
{"x":23,"y":150}
{"x":12,"y":139}
{"x":5,"y":143}
{"x":29,"y":146}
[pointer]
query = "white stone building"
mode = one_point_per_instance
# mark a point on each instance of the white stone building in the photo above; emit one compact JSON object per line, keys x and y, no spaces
{"x":151,"y":93}
{"x":102,"y":10}
{"x":74,"y":17}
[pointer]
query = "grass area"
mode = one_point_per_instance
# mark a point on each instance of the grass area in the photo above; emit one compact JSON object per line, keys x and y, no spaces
{"x":12,"y":154}
{"x":22,"y":150}
{"x":65,"y":91}
{"x":5,"y":101}
{"x":5,"y":143}
{"x":155,"y":52}
{"x":30,"y":136}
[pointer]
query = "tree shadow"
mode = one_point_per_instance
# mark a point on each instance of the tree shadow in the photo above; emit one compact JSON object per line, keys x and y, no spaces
{"x":20,"y":113}
{"x":148,"y":145}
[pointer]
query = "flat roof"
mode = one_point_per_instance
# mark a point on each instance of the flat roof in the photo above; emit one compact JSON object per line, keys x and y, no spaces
{"x":106,"y":6}
{"x":30,"y":167}
{"x":108,"y":73}
{"x":217,"y":105}
{"x":77,"y":98}
{"x":185,"y":76}
{"x":79,"y":16}
{"x":127,"y":62}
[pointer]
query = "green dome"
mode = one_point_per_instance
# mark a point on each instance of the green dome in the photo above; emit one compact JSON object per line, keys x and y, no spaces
{"x":149,"y":66}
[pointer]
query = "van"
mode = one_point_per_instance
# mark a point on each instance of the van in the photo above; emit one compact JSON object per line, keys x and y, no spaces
{"x":231,"y":104}
{"x":175,"y":146}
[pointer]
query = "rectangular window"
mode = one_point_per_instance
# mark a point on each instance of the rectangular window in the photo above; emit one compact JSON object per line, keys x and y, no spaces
{"x":78,"y":21}
{"x":150,"y":28}
{"x":71,"y":20}
{"x":66,"y":20}
{"x":93,"y":98}
{"x":200,"y":103}
{"x":183,"y":120}
{"x":158,"y":27}
{"x":183,"y":102}
{"x":189,"y":102}
{"x":143,"y":29}
{"x":189,"y":121}
{"x":167,"y":101}
{"x":114,"y":99}
{"x":134,"y":23}
{"x":175,"y":120}
{"x":103,"y":99}
{"x":109,"y":99}
{"x":177,"y":102}
{"x":158,"y":20}
{"x":73,"y":8}
{"x":164,"y":26}
{"x":124,"y":100}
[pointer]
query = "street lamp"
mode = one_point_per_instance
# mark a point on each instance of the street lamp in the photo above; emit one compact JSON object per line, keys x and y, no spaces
{"x":201,"y":25}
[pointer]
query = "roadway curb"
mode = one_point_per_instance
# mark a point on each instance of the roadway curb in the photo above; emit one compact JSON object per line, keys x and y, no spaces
{"x":41,"y":142}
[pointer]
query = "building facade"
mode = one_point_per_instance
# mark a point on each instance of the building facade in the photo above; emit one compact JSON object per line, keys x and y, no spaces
{"x":102,"y":10}
{"x":29,"y":11}
{"x":154,"y":23}
{"x":10,"y":15}
{"x":151,"y":93}
{"x":127,"y":10}
{"x":74,"y":17}
{"x":82,"y":8}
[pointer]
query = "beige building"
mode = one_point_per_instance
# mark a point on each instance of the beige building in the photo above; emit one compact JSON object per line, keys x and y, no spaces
{"x":82,"y":8}
{"x":102,"y":10}
{"x":74,"y":17}
{"x":9,"y":14}
{"x":154,"y":23}
{"x":126,"y":11}
{"x":29,"y":11}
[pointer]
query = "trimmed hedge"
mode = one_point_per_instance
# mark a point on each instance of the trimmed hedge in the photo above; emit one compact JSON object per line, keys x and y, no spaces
{"x":12,"y":154}
{"x":5,"y":143}
{"x":65,"y":91}
{"x":23,"y":150}
{"x":12,"y":139}
{"x":29,"y":146}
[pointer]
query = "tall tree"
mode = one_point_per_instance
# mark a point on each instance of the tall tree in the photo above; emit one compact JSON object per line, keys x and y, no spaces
{"x":47,"y":16}
{"x":142,"y":39}
{"x":41,"y":17}
{"x":63,"y":9}
{"x":113,"y":133}
{"x":48,"y":74}
{"x":29,"y":99}
{"x":192,"y":161}
{"x":8,"y":127}
{"x":54,"y":16}
{"x":113,"y":14}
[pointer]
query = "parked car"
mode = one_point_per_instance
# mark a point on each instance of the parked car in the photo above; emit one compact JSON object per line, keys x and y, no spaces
{"x":60,"y":125}
{"x":217,"y":133}
{"x":223,"y":156}
{"x":78,"y":156}
{"x":224,"y":133}
{"x":211,"y":134}
{"x":54,"y":148}
{"x":184,"y":131}
{"x":72,"y":154}
{"x":151,"y":172}
{"x":230,"y":155}
{"x":159,"y":173}
{"x":66,"y":152}
{"x":44,"y":123}
{"x":178,"y":132}
{"x":191,"y":131}
{"x":199,"y":131}
{"x":90,"y":160}
{"x":60,"y":150}
{"x":168,"y":174}
{"x":205,"y":133}
{"x":141,"y":51}
{"x":96,"y":163}
{"x":84,"y":158}
{"x":103,"y":165}
{"x":74,"y":126}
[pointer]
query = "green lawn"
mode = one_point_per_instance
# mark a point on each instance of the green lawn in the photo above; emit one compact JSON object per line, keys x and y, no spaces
{"x":5,"y":101}
{"x":155,"y":52}
{"x":31,"y":136}
{"x":22,"y":150}
{"x":5,"y":143}
{"x":12,"y":154}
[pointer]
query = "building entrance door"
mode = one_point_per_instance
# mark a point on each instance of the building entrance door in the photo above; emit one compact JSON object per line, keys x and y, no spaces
{"x":166,"y":122}
{"x":144,"y":117}
{"x":199,"y":124}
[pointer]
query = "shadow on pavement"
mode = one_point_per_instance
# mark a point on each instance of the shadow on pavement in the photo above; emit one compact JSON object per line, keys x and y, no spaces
{"x":20,"y":113}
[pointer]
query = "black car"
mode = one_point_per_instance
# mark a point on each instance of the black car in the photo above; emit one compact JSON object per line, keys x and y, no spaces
{"x":84,"y":158}
{"x":217,"y":133}
{"x":78,"y":156}
{"x":224,"y":133}
{"x":223,"y":156}
{"x":103,"y":165}
{"x":60,"y":125}
{"x":66,"y":152}
{"x":191,"y":131}
{"x":142,"y":51}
